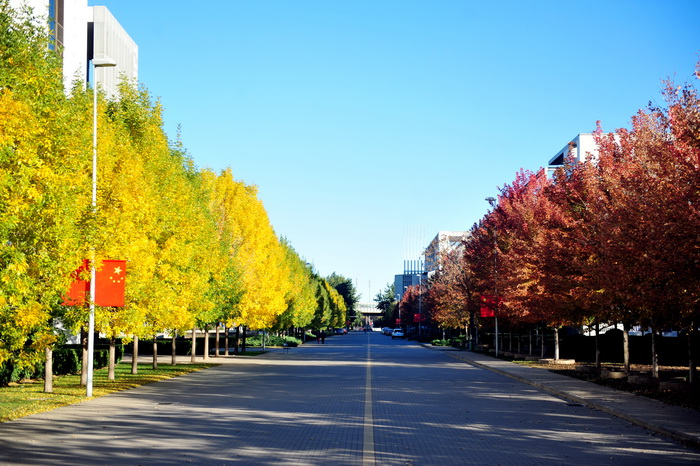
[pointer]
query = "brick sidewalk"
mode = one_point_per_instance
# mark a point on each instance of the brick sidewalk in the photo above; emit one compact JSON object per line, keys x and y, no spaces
{"x":673,"y":421}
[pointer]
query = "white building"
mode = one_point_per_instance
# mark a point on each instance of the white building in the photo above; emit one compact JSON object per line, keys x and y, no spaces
{"x":443,"y":243}
{"x":82,"y":32}
{"x":582,"y":147}
{"x":107,"y":39}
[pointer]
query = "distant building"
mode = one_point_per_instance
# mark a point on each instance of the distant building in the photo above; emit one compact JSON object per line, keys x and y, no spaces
{"x":81,"y":32}
{"x":413,"y":274}
{"x":582,"y":147}
{"x":444,"y":242}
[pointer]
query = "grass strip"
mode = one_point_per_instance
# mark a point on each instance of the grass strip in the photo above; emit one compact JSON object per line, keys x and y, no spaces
{"x":25,"y":398}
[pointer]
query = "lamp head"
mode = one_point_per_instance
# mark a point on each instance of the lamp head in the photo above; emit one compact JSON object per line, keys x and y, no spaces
{"x":103,"y":62}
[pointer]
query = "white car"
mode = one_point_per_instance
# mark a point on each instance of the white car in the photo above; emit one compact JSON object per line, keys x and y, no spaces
{"x":397,"y":333}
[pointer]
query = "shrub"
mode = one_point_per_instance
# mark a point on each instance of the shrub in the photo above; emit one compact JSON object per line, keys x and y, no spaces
{"x":458,"y":342}
{"x":100,"y":357}
{"x":292,"y":341}
{"x":440,"y":342}
{"x":272,"y":340}
{"x":13,"y":373}
{"x":66,"y":361}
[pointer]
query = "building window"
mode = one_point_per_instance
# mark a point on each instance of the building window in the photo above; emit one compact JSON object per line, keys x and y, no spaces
{"x":56,"y":20}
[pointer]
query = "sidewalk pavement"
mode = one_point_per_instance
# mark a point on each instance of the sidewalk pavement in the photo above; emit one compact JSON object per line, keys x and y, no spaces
{"x":679,"y":423}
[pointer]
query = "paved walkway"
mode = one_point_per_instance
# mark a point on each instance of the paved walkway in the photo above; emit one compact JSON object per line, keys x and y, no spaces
{"x":673,"y":421}
{"x":358,"y":400}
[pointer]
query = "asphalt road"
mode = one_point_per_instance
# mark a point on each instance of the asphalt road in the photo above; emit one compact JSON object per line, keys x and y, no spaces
{"x":358,"y":399}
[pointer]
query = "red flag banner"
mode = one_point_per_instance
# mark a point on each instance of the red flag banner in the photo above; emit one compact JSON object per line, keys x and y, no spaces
{"x":110,"y":284}
{"x":416,"y":318}
{"x":78,"y":291}
{"x":488,"y":308}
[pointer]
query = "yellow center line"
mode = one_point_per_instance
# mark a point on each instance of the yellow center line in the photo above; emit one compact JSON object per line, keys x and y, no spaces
{"x":368,"y":431}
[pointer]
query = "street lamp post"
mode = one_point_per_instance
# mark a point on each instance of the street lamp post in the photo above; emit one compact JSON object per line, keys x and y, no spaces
{"x":96,"y":63}
{"x":492,"y":202}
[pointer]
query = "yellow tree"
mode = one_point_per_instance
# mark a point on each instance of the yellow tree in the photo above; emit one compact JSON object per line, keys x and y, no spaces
{"x":255,"y":253}
{"x":151,"y":213}
{"x":322,"y":311}
{"x":42,"y":187}
{"x":300,"y":298}
{"x":338,"y":308}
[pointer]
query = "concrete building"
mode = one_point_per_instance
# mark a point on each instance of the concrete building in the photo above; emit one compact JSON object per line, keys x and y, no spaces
{"x":582,"y":147}
{"x":81,"y":32}
{"x":107,"y":39}
{"x":413,"y":274}
{"x":444,"y":242}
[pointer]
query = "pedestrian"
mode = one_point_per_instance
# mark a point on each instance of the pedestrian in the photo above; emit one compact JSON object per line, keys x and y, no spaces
{"x":318,"y":337}
{"x":323,"y":337}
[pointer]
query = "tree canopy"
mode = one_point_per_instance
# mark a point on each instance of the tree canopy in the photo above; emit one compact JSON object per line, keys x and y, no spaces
{"x":199,"y":245}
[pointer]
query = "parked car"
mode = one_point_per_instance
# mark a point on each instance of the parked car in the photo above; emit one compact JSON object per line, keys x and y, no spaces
{"x":387,"y":331}
{"x":397,"y":333}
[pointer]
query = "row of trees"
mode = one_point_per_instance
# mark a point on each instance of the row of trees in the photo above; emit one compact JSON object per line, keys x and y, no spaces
{"x":612,"y":239}
{"x":199,"y":244}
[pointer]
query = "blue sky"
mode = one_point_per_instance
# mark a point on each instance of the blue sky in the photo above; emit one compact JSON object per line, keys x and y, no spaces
{"x":369,"y":126}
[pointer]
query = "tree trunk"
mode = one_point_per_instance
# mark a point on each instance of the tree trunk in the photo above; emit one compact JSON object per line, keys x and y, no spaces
{"x":216,"y":341}
{"x":155,"y":353}
{"x":519,"y":338}
{"x":225,"y":340}
{"x":173,"y":348}
{"x":474,"y":332}
{"x":193,"y":356}
{"x":206,"y":342}
{"x":556,"y":343}
{"x":691,"y":355}
{"x":654,"y":355}
{"x":496,"y":340}
{"x":84,"y":343}
{"x":236,"y":339}
{"x":245,"y":334}
{"x":112,"y":358}
{"x":135,"y":356}
{"x":530,"y":344}
{"x":542,"y":342}
{"x":48,"y":371}
{"x":626,"y":346}
{"x":597,"y":344}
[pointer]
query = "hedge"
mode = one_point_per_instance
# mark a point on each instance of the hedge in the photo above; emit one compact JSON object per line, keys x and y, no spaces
{"x":67,"y":359}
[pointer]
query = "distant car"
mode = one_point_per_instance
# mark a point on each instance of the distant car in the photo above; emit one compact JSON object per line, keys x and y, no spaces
{"x":340,"y":331}
{"x":397,"y":333}
{"x":387,"y":331}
